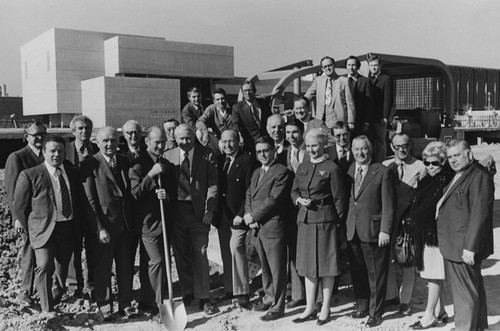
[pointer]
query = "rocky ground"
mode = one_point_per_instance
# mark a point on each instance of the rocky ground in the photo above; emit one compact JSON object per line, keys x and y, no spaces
{"x":79,"y":314}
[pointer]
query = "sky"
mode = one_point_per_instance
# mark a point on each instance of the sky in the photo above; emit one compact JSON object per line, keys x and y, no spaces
{"x":267,"y":34}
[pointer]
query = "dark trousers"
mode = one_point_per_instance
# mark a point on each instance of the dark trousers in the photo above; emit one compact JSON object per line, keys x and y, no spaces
{"x":190,"y":243}
{"x":27,"y":264}
{"x":224,"y":231}
{"x":469,"y":297}
{"x":369,"y":265}
{"x":156,"y":265}
{"x":52,"y":262}
{"x":118,"y":249}
{"x":147,"y":294}
{"x":75,"y":271}
{"x":272,"y":254}
{"x":297,"y":282}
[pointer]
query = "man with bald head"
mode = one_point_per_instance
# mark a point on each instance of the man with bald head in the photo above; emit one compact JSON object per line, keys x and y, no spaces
{"x":149,"y":176}
{"x":195,"y":180}
{"x":107,"y":186}
{"x":132,"y":132}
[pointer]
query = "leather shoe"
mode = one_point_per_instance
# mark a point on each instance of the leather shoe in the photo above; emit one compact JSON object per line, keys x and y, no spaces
{"x":208,"y":307}
{"x":149,"y":307}
{"x":373,"y":321}
{"x":243,"y":301}
{"x":270,"y":316}
{"x":23,"y":299}
{"x":359,"y":314}
{"x":129,"y":312}
{"x":404,"y":309}
{"x":295,"y":303}
{"x":312,"y":316}
{"x":443,"y":317}
{"x":391,"y":302}
{"x":322,"y":322}
{"x":418,"y":325}
{"x":261,"y":306}
{"x":226,"y":296}
{"x":187,"y":299}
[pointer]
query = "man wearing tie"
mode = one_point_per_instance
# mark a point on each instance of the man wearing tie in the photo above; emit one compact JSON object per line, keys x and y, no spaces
{"x":107,"y":185}
{"x":276,"y":130}
{"x":25,"y":158}
{"x":266,"y":198}
{"x":334,"y":100}
{"x":146,"y":174}
{"x":195,"y":180}
{"x":50,"y":201}
{"x":235,"y":173}
{"x":369,"y":225}
{"x":132,"y":132}
{"x":302,"y":113}
{"x":169,"y":126}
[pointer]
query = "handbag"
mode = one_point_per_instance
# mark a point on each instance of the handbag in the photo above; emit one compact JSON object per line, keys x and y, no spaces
{"x":404,"y":250}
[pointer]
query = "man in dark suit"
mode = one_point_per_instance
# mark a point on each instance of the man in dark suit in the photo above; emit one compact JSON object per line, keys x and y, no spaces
{"x":107,"y":185}
{"x":50,"y":201}
{"x":193,"y":109}
{"x":132,"y":132}
{"x":266,"y":198}
{"x":276,"y":130}
{"x":382,"y":106}
{"x":25,"y":158}
{"x":465,"y":234}
{"x":361,"y":90}
{"x":235,"y":173}
{"x":250,"y":116}
{"x":369,"y":224}
{"x":194,"y":179}
{"x":146,"y":174}
{"x":340,"y":152}
{"x":77,"y":152}
{"x":169,"y":126}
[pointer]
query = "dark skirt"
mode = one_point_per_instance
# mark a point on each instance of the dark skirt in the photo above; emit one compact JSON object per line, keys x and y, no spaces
{"x":317,"y":250}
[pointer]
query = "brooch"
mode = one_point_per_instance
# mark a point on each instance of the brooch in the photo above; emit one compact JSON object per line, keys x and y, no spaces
{"x":322,"y":172}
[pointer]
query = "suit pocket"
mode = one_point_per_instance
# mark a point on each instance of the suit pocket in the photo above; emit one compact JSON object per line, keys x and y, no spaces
{"x":375,"y":226}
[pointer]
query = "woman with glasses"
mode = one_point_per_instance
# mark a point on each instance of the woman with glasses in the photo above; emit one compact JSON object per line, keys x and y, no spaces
{"x":321,"y":197}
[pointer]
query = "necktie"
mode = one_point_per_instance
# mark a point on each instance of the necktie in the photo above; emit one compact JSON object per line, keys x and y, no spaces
{"x":261,"y":174}
{"x":357,"y":181}
{"x":40,"y":157}
{"x":112,"y":166}
{"x":328,"y":92}
{"x":374,"y":78}
{"x":352,"y":85}
{"x":401,"y":170}
{"x":65,"y":198}
{"x":255,"y":115}
{"x":184,"y":179}
{"x":295,"y":159}
{"x":227,"y":163}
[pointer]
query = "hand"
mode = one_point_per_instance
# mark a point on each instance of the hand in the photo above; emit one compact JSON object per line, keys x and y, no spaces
{"x":351,"y":126}
{"x":304,"y":202}
{"x":104,"y":237}
{"x":156,"y":170}
{"x":383,"y":239}
{"x":208,"y":217}
{"x":468,"y":257}
{"x":248,"y":219}
{"x":204,"y":138}
{"x":18,"y":227}
{"x":254,"y":226}
{"x":237,"y":220}
{"x":161,"y":194}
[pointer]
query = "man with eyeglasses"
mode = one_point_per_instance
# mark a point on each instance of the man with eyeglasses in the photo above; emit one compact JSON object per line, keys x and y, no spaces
{"x":302,"y":113}
{"x":132,"y":131}
{"x":334,"y":101}
{"x":169,"y":127}
{"x":409,"y":171}
{"x":25,"y":158}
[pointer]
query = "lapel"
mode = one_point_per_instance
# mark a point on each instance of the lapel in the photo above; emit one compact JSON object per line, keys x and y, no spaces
{"x":48,"y":183}
{"x":234,"y":167}
{"x":372,"y":172}
{"x":196,"y":161}
{"x":268,"y":175}
{"x":247,"y":113}
{"x":104,"y":166}
{"x":449,"y":189}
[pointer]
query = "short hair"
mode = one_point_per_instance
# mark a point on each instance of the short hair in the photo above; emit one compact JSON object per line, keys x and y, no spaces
{"x":219,"y":90}
{"x":373,"y":57}
{"x":35,"y":124}
{"x":301,"y":98}
{"x":266,"y":140}
{"x":401,"y":134}
{"x":435,"y":149}
{"x":341,"y":125}
{"x":106,"y":128}
{"x":80,"y":118}
{"x":318,"y":134}
{"x":53,"y":138}
{"x":171,"y":120}
{"x":462,"y":143}
{"x":275,"y":116}
{"x":297,"y":124}
{"x":131,"y":122}
{"x":352,"y":57}
{"x":184,"y":126}
{"x":326,"y":58}
{"x":153,"y":128}
{"x":233,"y":131}
{"x":363,"y":138}
{"x":192,"y":90}
{"x":249,"y":82}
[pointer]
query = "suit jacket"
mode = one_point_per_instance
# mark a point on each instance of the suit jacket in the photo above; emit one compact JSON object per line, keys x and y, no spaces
{"x":244,"y":122}
{"x":146,"y":205}
{"x":343,"y":103}
{"x":323,"y":183}
{"x":72,"y":154}
{"x":382,"y":98}
{"x":465,"y":219}
{"x":17,"y":162}
{"x":35,"y":203}
{"x":204,"y":178}
{"x":265,"y":199}
{"x":109,"y":196}
{"x":233,"y":186}
{"x":363,"y":100}
{"x":190,"y":114}
{"x":125,"y":150}
{"x":373,"y":209}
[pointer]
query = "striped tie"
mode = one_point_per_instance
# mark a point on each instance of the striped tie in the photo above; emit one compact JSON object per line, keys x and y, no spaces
{"x":357,"y":181}
{"x":184,"y":179}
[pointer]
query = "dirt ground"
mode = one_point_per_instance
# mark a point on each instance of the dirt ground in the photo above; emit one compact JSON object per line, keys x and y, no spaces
{"x":80,"y":314}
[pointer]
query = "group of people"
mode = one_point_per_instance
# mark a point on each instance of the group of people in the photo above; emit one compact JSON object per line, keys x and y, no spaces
{"x":300,"y":187}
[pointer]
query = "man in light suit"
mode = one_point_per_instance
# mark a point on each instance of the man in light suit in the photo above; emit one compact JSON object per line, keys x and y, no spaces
{"x":195,"y":178}
{"x":25,"y":158}
{"x":250,"y":116}
{"x":334,"y":100}
{"x":50,"y":201}
{"x":266,"y":198}
{"x":369,"y":226}
{"x":465,"y":234}
{"x":235,"y":173}
{"x":107,"y":185}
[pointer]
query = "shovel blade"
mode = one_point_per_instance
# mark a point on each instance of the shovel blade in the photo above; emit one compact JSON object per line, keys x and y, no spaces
{"x":173,"y":315}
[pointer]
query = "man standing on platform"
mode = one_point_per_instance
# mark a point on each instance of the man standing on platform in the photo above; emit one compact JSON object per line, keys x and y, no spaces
{"x":361,"y":90}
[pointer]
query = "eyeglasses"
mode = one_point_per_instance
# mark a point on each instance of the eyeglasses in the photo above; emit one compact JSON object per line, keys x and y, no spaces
{"x":399,"y":147}
{"x":37,"y":135}
{"x":434,"y":163}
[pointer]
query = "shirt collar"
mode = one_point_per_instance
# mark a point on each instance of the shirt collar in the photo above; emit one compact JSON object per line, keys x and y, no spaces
{"x":353,"y":77}
{"x":153,"y":157}
{"x":34,"y":149}
{"x":107,"y":158}
{"x":52,"y":169}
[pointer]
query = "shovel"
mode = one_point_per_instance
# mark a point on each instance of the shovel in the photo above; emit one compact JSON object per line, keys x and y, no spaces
{"x":173,"y":313}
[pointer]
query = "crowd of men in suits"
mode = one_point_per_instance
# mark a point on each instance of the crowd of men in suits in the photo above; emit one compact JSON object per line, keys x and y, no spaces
{"x":232,"y":168}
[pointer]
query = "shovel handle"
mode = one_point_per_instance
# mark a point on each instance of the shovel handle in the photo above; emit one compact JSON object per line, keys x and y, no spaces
{"x":165,"y":247}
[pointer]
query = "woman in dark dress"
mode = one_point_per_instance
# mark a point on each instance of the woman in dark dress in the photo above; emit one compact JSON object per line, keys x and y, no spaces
{"x":320,"y":194}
